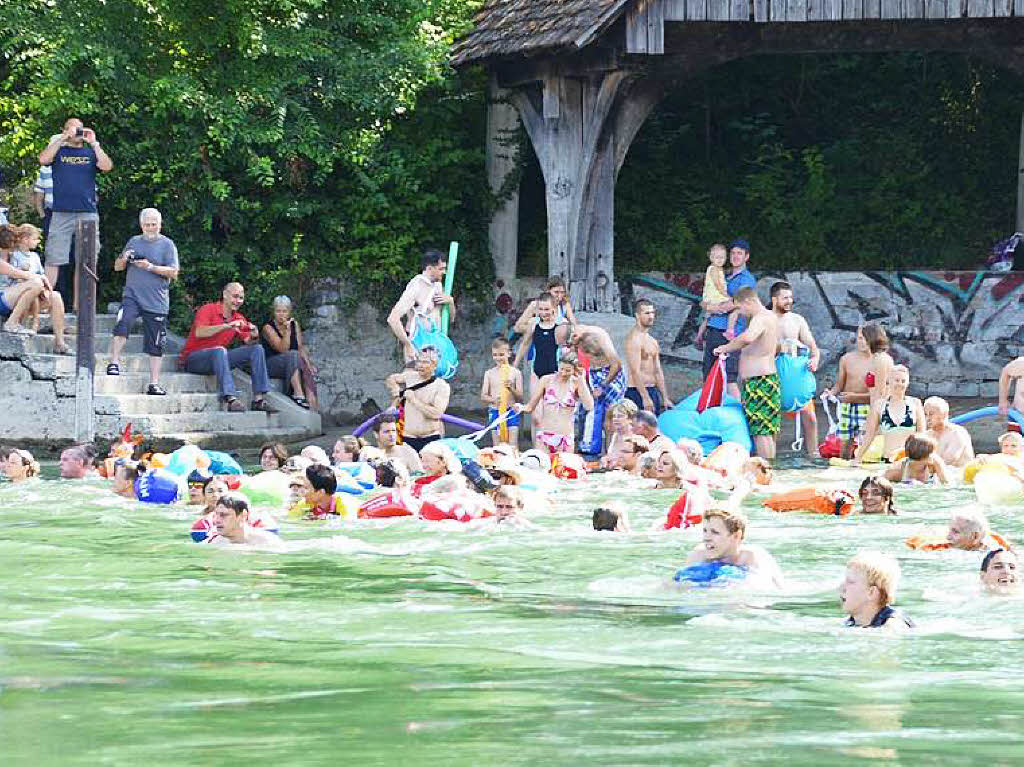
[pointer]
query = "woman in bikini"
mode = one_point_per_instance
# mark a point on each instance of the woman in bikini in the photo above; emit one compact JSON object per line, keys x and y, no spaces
{"x":895,"y":417}
{"x":877,"y":377}
{"x":557,"y":396}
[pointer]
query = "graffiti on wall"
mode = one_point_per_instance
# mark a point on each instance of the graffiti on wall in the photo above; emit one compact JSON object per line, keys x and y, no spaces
{"x":954,"y":330}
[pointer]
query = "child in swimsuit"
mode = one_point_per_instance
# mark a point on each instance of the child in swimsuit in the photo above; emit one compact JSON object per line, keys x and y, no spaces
{"x":922,"y":464}
{"x":716,"y":291}
{"x":501,"y":389}
{"x":557,"y":395}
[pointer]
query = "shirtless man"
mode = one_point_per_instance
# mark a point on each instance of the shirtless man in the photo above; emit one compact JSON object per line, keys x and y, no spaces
{"x":643,"y":359}
{"x":854,"y":396}
{"x":794,"y":336}
{"x":231,"y":522}
{"x":425,"y":398}
{"x":723,"y":534}
{"x":1011,"y":374}
{"x":762,"y":392}
{"x":646,"y":425}
{"x":607,"y":383}
{"x":387,"y":440}
{"x":421,"y":301}
{"x":953,"y":442}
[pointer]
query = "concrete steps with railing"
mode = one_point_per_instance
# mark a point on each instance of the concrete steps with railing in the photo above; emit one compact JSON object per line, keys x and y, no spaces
{"x":191,"y":411}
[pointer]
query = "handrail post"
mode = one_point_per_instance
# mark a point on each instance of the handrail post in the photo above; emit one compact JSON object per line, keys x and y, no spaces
{"x":85,"y":354}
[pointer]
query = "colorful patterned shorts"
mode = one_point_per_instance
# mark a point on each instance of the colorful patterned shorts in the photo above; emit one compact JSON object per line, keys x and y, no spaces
{"x":762,"y":404}
{"x":853,"y":418}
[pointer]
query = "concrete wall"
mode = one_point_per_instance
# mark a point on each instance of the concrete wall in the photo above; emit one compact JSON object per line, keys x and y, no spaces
{"x":954,"y":330}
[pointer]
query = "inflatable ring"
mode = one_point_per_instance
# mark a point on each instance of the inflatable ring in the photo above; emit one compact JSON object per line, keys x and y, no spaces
{"x":975,"y":467}
{"x":707,"y":573}
{"x":993,"y":487}
{"x":938,"y":542}
{"x":836,"y":502}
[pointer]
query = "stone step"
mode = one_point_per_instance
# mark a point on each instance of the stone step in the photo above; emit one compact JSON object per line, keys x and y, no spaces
{"x":177,"y":402}
{"x":136,"y":363}
{"x":131,"y":382}
{"x":103,"y":327}
{"x":181,"y":423}
{"x":43,"y":343}
{"x":235,"y":440}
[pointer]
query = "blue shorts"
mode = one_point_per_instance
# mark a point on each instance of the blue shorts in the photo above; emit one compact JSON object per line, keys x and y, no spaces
{"x":633,"y":394}
{"x":5,"y":310}
{"x":492,"y":415}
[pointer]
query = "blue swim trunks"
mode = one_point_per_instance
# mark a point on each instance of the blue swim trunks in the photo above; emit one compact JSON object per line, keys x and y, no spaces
{"x":5,"y":310}
{"x":492,"y":414}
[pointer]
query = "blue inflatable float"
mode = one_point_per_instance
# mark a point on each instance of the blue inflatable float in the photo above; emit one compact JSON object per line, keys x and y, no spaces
{"x":157,"y":486}
{"x":222,"y":463}
{"x":798,"y":384}
{"x":447,"y":355}
{"x":711,"y":428}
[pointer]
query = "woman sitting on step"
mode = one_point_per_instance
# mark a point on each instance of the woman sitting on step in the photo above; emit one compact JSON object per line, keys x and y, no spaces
{"x":287,"y":356}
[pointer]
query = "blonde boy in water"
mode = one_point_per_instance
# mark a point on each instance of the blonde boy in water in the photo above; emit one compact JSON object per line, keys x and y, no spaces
{"x":715,"y":290}
{"x":501,"y":389}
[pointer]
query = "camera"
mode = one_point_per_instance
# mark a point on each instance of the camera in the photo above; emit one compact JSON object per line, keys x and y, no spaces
{"x":133,"y":256}
{"x":79,"y":132}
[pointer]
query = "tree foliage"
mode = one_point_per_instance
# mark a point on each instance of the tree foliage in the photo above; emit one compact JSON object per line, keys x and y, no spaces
{"x":282,"y":139}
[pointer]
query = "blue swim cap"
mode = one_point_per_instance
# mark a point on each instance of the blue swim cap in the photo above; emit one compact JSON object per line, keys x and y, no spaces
{"x":199,"y":477}
{"x":740,"y":242}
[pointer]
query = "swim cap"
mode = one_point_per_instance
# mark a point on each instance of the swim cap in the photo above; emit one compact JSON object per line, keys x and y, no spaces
{"x":200,"y":477}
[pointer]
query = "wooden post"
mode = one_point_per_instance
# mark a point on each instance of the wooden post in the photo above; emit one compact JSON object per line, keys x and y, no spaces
{"x":1020,"y":177}
{"x":502,"y":164}
{"x":86,"y":238}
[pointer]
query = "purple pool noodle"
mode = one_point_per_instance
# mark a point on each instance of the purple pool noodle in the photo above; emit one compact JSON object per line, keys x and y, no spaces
{"x":455,"y":420}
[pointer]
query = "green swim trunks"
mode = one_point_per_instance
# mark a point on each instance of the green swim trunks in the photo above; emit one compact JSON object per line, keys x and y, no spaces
{"x":762,"y":404}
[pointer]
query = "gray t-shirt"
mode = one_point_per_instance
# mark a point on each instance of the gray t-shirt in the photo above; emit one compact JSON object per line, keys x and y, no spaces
{"x":150,"y":290}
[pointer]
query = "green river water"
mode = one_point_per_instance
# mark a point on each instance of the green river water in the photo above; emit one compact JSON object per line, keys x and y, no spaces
{"x":406,"y":642}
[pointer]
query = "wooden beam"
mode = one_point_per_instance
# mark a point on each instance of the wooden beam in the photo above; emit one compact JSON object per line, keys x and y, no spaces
{"x":502,"y":161}
{"x":913,"y":9}
{"x":636,"y":28}
{"x":86,"y":240}
{"x":853,"y":9}
{"x":980,"y":9}
{"x":656,"y":27}
{"x":1020,"y":179}
{"x":890,"y":9}
{"x":1003,"y":8}
{"x":761,"y":10}
{"x":696,"y":10}
{"x":833,"y":10}
{"x":675,"y":10}
{"x":935,"y":9}
{"x":739,"y":10}
{"x":796,"y":10}
{"x":552,"y":97}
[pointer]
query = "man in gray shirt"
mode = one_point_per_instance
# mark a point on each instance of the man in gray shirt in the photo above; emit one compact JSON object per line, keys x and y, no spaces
{"x":152,"y":262}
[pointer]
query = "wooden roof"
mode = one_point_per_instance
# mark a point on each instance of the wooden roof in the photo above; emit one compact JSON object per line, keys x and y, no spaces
{"x":525,"y":27}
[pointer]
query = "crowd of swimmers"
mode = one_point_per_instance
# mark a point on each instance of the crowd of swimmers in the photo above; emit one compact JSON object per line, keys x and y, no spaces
{"x":594,"y":411}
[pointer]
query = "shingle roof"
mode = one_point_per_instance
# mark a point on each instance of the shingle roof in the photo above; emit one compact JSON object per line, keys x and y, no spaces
{"x":524,"y":27}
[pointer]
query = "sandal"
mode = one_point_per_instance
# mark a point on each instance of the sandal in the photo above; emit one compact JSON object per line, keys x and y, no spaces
{"x":262,"y":406}
{"x":301,"y":402}
{"x":113,"y":369}
{"x":234,"y":405}
{"x":18,"y":330}
{"x":63,"y":350}
{"x":156,"y":389}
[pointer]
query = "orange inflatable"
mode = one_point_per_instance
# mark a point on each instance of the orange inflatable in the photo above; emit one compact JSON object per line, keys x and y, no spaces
{"x":938,"y":542}
{"x":836,"y":502}
{"x":568,"y":466}
{"x":383,"y":506}
{"x":449,"y":509}
{"x":681,"y":515}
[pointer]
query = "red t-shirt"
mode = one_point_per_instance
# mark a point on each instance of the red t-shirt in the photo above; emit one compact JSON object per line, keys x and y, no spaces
{"x":211,"y":314}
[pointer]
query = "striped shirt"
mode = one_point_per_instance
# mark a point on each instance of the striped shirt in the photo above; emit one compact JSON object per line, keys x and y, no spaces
{"x":44,"y":186}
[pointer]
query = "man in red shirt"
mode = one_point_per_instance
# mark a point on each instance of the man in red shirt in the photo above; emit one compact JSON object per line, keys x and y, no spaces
{"x":216,"y":326}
